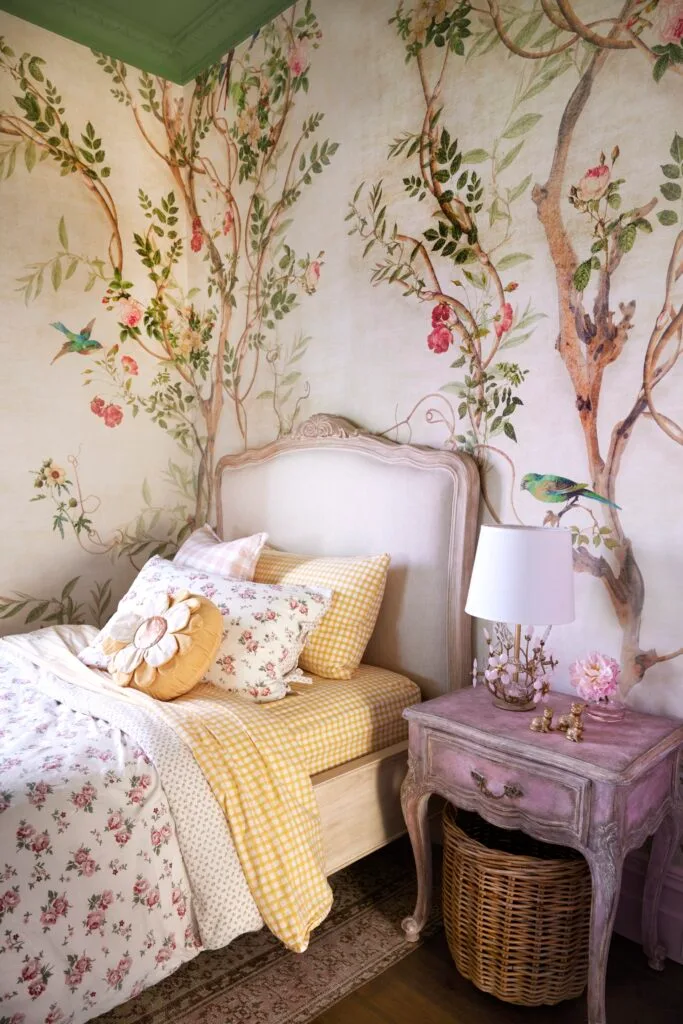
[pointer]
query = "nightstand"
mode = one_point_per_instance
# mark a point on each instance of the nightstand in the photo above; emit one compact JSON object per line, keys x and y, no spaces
{"x":603,"y":797}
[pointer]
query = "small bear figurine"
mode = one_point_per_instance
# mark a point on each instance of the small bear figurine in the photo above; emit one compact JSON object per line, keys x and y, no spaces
{"x":543,"y":723}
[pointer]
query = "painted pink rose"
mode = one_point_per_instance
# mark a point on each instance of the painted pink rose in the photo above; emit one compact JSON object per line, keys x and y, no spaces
{"x":48,"y":917}
{"x":129,"y":365}
{"x":504,"y":322}
{"x":156,"y":837}
{"x":152,"y":898}
{"x":83,"y":964}
{"x":669,"y":20}
{"x":163,"y":956}
{"x":196,"y":242}
{"x":312,"y":276}
{"x":113,"y":415}
{"x":114,"y":821}
{"x":440,"y":339}
{"x":55,"y":1016}
{"x":74,"y":978}
{"x":130,"y":312}
{"x":25,"y":831}
{"x":228,"y":221}
{"x":80,"y":799}
{"x":165,"y":832}
{"x":114,"y":976}
{"x":136,"y":796}
{"x":441,"y":314}
{"x":122,"y":837}
{"x":594,"y":183}
{"x":141,"y":887}
{"x":36,"y":988}
{"x":81,"y":855}
{"x":145,"y":781}
{"x":297,"y":58}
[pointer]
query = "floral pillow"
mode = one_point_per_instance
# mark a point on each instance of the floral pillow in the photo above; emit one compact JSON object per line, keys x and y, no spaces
{"x":265,"y":626}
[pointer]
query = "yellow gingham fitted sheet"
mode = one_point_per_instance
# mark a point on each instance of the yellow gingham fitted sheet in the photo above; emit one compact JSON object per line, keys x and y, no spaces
{"x":335,"y":720}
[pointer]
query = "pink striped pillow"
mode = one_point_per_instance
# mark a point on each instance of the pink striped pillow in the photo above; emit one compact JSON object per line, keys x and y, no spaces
{"x":205,"y":551}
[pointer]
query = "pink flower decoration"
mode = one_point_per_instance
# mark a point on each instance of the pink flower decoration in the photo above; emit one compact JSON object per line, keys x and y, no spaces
{"x":129,"y":365}
{"x":312,"y":276}
{"x":196,"y":242}
{"x":297,"y":58}
{"x":441,"y":314}
{"x":228,"y":221}
{"x":130,"y":312}
{"x":112,"y":415}
{"x":440,"y":339}
{"x":504,"y":322}
{"x":595,"y":678}
{"x":669,"y":20}
{"x":594,"y":183}
{"x":97,"y":405}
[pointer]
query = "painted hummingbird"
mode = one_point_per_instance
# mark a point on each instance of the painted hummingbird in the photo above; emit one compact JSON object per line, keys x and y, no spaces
{"x":80,"y":341}
{"x":549,"y":488}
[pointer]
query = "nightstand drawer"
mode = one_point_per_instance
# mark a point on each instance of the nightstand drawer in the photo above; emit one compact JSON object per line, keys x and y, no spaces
{"x":514,"y":794}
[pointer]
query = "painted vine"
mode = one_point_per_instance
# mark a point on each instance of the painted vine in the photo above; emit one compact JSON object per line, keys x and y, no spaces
{"x":236,"y":164}
{"x":460,"y":263}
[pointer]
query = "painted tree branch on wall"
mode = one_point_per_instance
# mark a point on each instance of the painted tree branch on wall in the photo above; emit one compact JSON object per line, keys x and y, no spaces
{"x":236,"y":164}
{"x":476,"y":313}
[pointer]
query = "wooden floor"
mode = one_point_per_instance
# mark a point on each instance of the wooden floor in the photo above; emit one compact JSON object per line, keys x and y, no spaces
{"x":425,"y":988}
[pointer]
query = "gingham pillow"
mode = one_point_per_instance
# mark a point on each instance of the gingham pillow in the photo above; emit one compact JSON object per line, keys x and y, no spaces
{"x":264,"y":627}
{"x":357,"y":584}
{"x":236,"y":559}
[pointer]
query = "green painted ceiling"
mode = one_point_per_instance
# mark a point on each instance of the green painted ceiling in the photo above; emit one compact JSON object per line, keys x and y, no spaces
{"x":173,"y":38}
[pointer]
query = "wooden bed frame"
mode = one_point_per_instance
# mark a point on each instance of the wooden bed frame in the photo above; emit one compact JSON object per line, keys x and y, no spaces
{"x":330,"y":488}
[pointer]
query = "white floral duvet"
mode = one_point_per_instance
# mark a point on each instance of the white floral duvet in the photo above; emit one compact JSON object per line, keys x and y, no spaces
{"x":116,"y":865}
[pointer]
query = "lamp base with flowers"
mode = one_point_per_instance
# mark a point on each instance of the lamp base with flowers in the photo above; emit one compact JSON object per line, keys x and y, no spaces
{"x":518,"y":669}
{"x":596,"y":680}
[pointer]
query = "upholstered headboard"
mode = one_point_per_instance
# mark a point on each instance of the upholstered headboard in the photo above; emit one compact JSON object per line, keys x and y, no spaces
{"x":331,"y":489}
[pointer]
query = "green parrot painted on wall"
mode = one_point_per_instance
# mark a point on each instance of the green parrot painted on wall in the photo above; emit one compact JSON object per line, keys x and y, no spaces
{"x":80,"y":341}
{"x":549,"y":488}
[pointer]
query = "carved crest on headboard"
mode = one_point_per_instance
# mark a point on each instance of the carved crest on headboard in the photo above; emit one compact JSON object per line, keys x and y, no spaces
{"x":323,"y":425}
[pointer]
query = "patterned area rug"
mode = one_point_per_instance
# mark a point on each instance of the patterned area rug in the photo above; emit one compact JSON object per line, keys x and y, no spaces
{"x":256,"y":980}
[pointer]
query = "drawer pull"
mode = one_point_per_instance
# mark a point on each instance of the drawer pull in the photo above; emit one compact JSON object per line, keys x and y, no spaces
{"x":510,"y":789}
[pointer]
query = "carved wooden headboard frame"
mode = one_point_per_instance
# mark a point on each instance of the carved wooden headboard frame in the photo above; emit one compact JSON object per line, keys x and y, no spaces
{"x":446,"y":478}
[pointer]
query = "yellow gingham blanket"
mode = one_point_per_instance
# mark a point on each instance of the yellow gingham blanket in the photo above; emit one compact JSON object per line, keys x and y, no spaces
{"x":264,"y":789}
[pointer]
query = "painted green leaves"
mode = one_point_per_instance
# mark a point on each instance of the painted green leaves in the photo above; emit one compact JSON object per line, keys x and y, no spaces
{"x":421,"y":28}
{"x":671,"y":188}
{"x":667,"y":57}
{"x":597,"y":196}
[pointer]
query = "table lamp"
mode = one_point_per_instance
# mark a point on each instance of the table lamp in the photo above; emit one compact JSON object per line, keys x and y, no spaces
{"x":522,"y":575}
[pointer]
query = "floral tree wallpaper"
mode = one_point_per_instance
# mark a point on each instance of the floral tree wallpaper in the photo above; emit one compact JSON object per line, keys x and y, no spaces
{"x":457,"y":223}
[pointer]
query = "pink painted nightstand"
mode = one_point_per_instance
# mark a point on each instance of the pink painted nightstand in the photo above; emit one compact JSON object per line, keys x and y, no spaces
{"x":604,"y":797}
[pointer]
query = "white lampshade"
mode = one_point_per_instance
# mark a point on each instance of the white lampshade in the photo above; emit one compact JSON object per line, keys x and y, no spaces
{"x":522,"y":574}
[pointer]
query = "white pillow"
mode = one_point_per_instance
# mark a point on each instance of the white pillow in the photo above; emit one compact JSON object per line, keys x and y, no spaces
{"x":203,"y":549}
{"x":265,"y":626}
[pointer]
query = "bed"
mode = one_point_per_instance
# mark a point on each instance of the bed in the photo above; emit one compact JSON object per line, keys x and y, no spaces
{"x":119,"y":863}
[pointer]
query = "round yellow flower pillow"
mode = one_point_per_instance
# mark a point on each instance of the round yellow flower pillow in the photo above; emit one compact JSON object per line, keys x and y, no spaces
{"x":164,"y":647}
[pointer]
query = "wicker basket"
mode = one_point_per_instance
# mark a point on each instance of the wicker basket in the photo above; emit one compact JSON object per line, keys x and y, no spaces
{"x":516,"y":912}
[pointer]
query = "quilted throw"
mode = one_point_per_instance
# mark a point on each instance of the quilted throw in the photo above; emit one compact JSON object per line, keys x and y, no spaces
{"x":116,"y":865}
{"x":243,"y":766}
